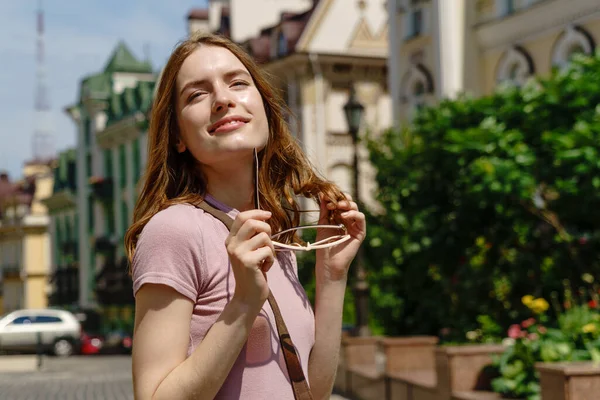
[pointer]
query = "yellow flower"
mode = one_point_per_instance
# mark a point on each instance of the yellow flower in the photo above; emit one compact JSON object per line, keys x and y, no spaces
{"x":539,"y":305}
{"x":589,"y":328}
{"x":527,"y":300}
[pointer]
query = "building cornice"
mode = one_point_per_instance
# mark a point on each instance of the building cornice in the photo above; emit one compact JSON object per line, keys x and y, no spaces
{"x":535,"y":21}
{"x":120,"y":132}
{"x":298,"y":62}
{"x":60,"y":201}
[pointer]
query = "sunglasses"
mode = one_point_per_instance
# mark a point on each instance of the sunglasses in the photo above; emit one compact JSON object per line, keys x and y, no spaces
{"x":326,"y":243}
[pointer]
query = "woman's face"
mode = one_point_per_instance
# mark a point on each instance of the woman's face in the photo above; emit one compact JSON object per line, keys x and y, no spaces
{"x":220,"y":111}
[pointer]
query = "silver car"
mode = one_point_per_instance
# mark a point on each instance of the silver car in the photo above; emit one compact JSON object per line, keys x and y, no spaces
{"x":57,"y":331}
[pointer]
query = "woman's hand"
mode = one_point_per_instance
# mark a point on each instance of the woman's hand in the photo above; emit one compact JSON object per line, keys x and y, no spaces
{"x":251,"y":254}
{"x":336,"y":260}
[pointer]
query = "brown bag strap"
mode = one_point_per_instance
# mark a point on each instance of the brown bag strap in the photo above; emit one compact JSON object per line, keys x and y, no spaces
{"x":299,"y":384}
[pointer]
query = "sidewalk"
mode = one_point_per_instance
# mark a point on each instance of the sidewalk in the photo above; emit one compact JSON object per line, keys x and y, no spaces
{"x":20,"y":363}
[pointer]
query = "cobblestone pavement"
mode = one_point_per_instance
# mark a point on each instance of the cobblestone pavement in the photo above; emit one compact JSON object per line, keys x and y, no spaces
{"x":74,"y":378}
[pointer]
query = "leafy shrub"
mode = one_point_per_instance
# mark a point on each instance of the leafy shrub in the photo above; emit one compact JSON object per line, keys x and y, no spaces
{"x":485,"y":200}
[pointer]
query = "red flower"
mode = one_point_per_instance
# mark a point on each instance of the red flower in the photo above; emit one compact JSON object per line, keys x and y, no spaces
{"x":592,"y":304}
{"x":542,"y":329}
{"x":528,"y":322}
{"x":514,"y":331}
{"x":583,"y":240}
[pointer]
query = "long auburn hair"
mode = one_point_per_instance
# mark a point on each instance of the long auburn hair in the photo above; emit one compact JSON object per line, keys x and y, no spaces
{"x":174,"y":178}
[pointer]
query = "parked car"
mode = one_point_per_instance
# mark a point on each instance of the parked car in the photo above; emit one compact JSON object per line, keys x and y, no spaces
{"x":91,"y":343}
{"x":48,"y":330}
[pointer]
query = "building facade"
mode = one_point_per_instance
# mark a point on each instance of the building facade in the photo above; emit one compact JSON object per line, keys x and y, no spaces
{"x":109,"y":160}
{"x":24,"y":238}
{"x":64,"y":220}
{"x":439,"y":49}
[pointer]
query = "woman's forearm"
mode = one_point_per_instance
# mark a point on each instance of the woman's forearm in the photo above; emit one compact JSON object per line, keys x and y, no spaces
{"x":329,"y":306}
{"x":202,"y":374}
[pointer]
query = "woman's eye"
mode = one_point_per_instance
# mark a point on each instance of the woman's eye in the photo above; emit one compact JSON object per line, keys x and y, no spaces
{"x":239,"y":83}
{"x":194,"y":95}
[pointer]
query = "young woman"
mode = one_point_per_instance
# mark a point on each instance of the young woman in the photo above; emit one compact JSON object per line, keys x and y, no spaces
{"x":203,"y":328}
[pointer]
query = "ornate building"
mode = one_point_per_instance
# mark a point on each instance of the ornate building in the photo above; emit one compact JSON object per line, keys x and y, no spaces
{"x":24,"y":238}
{"x":93,"y":199}
{"x":439,"y":49}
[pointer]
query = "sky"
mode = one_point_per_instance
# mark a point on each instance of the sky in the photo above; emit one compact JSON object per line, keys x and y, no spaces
{"x":79,"y":39}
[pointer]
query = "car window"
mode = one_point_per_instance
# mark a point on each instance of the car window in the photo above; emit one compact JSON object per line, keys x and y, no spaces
{"x":46,"y":319}
{"x":22,"y":321}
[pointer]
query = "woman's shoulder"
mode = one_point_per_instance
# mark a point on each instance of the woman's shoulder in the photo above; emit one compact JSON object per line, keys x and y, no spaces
{"x":178,"y":218}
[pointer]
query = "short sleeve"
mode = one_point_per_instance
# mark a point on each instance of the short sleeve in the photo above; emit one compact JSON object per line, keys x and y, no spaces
{"x":169,"y":252}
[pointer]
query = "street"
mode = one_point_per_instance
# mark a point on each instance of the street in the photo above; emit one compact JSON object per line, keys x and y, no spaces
{"x":74,"y":378}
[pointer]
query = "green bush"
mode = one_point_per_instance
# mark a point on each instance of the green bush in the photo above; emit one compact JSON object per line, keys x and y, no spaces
{"x":486,"y":200}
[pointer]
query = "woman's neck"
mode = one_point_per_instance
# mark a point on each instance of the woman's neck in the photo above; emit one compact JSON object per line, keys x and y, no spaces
{"x":231,"y":186}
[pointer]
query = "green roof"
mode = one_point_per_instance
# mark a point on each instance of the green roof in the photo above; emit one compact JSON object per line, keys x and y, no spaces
{"x":122,"y":60}
{"x":131,"y":100}
{"x":96,"y":86}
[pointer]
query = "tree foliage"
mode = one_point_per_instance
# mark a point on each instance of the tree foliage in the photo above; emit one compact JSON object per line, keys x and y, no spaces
{"x":487,"y":199}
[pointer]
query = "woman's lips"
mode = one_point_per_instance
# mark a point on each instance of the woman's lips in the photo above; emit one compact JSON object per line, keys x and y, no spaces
{"x":229,"y":127}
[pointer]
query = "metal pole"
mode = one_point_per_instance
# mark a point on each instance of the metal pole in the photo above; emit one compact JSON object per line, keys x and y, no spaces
{"x":361,"y":286}
{"x":39,"y":350}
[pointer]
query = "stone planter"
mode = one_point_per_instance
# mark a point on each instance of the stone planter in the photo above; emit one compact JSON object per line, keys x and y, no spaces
{"x":462,"y":368}
{"x":569,"y":381}
{"x":362,"y":369}
{"x":409,"y":353}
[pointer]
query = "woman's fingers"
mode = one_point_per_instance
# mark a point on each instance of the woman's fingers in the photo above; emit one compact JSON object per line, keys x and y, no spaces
{"x":251,"y":228}
{"x":354,"y":221}
{"x":243,"y":217}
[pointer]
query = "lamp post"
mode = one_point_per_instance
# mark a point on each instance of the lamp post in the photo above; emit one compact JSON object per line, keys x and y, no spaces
{"x":354,"y":113}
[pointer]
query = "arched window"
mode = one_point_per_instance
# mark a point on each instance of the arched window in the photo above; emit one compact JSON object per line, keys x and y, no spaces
{"x":515,"y":66}
{"x":572,"y":41}
{"x":416,"y":85}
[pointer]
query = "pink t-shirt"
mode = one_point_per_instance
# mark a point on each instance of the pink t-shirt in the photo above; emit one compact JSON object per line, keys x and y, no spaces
{"x":184,"y":248}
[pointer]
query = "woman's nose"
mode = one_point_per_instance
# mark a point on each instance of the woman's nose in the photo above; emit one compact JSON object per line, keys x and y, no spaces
{"x":222,"y":100}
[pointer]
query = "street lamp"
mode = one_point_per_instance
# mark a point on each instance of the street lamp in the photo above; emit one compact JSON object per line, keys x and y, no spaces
{"x":354,"y":113}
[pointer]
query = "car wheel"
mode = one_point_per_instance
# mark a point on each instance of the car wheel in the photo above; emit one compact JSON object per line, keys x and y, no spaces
{"x":63,"y":348}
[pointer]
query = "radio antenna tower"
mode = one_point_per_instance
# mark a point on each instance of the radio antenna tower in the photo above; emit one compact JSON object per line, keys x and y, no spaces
{"x":43,"y":144}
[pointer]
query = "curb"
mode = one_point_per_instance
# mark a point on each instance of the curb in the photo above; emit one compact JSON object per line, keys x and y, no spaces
{"x":18,"y":363}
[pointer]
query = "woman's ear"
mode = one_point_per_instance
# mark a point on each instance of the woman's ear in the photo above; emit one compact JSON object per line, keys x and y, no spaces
{"x":180,"y":146}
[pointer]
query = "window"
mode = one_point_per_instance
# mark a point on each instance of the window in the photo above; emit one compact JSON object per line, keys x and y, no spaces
{"x":122,"y":167}
{"x":90,"y":212}
{"x":281,"y":45}
{"x":110,"y":219}
{"x":47,"y":319}
{"x":22,"y":321}
{"x":124,"y":216}
{"x":137,"y":162}
{"x":415,"y":19}
{"x":416,"y":85}
{"x":574,"y":40}
{"x":108,"y":163}
{"x":87,"y":131}
{"x":88,"y":164}
{"x":515,"y":67}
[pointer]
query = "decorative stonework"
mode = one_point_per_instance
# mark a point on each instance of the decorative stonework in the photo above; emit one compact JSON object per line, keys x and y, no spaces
{"x":515,"y":66}
{"x":573,"y":40}
{"x":416,"y":83}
